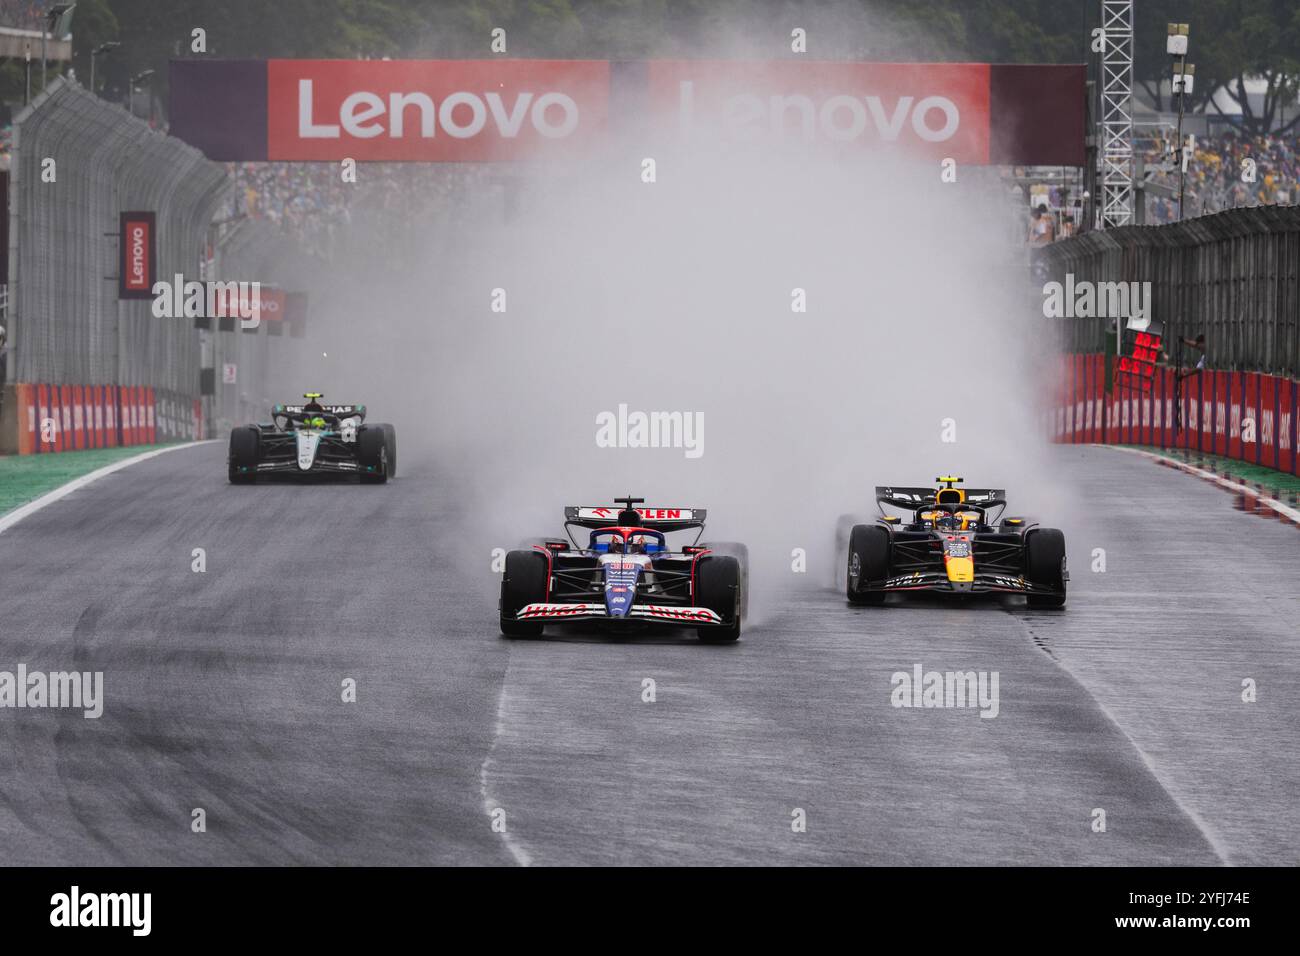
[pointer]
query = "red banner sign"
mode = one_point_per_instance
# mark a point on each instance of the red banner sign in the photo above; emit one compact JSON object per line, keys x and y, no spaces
{"x":136,"y":258}
{"x":939,"y":110}
{"x":432,"y":110}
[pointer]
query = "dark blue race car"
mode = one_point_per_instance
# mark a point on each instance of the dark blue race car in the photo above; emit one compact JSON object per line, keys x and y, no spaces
{"x":626,"y":576}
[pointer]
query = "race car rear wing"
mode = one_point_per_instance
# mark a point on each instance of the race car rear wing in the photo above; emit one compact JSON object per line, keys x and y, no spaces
{"x":908,"y":497}
{"x":660,"y":519}
{"x":342,"y":411}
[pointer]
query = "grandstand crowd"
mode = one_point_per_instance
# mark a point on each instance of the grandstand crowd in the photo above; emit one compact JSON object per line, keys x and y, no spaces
{"x":1218,"y":178}
{"x":312,"y":203}
{"x":1215,"y":180}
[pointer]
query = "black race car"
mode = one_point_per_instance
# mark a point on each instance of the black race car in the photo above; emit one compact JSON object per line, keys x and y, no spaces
{"x":625,"y":576}
{"x":952,"y":545}
{"x":313,"y":439}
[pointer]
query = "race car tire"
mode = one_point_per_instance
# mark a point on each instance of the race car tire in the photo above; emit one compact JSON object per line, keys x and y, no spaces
{"x":868,"y":561}
{"x":718,"y":586}
{"x":524,"y":583}
{"x":372,"y":455}
{"x":390,"y":447}
{"x":1045,"y":565}
{"x":245,"y":449}
{"x":740,"y":552}
{"x":844,"y":525}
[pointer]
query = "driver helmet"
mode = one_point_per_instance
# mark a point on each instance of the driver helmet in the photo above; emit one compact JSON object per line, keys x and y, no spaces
{"x":636,"y":546}
{"x":948,"y":522}
{"x":615,"y":545}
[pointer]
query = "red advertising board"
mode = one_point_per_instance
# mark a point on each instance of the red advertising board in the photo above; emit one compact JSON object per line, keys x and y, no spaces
{"x":938,"y":110}
{"x":270,"y":304}
{"x":136,"y":257}
{"x":433,"y":110}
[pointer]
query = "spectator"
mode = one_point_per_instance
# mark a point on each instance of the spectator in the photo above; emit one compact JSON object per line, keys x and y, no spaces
{"x":1041,"y":229}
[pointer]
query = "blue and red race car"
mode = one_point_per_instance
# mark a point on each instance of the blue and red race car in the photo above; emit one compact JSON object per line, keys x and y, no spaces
{"x":625,"y":575}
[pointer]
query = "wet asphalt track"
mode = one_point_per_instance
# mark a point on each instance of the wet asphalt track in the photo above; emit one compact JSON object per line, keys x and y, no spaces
{"x":223,"y":692}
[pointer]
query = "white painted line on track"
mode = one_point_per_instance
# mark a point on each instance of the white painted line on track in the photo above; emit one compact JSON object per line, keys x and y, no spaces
{"x":76,"y":484}
{"x":522,"y":856}
{"x":1285,"y":510}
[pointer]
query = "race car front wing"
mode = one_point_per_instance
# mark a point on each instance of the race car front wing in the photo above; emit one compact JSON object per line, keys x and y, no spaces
{"x":939,"y":581}
{"x":590,"y":612}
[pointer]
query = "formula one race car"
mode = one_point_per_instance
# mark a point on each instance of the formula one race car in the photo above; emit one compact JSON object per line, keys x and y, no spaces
{"x":952,"y":545}
{"x":625,"y":575}
{"x":313,"y":439}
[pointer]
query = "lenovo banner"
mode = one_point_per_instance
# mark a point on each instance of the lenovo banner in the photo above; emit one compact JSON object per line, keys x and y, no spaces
{"x":136,"y":262}
{"x":933,"y":110}
{"x":239,"y":307}
{"x":506,"y":110}
{"x":432,"y":110}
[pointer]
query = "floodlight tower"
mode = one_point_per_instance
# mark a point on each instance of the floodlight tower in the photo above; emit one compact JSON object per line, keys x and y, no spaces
{"x":1117,"y":113}
{"x":1183,"y":79}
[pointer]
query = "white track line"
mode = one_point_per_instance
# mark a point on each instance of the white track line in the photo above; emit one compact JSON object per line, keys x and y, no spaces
{"x":76,"y":484}
{"x":1285,"y":510}
{"x":490,"y":804}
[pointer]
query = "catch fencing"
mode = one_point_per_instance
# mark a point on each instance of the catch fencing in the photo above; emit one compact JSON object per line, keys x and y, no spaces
{"x":78,"y":162}
{"x":1234,"y":277}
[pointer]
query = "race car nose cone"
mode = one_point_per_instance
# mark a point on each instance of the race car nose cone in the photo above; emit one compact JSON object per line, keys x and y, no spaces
{"x":307,"y":444}
{"x":960,"y":570}
{"x":620,"y":586}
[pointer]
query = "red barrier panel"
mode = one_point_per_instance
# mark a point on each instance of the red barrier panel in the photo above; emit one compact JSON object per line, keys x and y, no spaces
{"x":1246,"y":416}
{"x":1077,"y":370}
{"x":1170,"y":406}
{"x":137,"y":425}
{"x":1267,"y":422}
{"x":28,"y":424}
{"x":1205,"y":399}
{"x":124,"y":415}
{"x":78,"y":418}
{"x":1220,"y":383}
{"x":54,"y":418}
{"x":1091,"y":394}
{"x":66,"y":434}
{"x":51,"y":420}
{"x":1293,"y":429}
{"x":1131,"y":399}
{"x":1148,"y":399}
{"x":99,"y":415}
{"x":1250,"y":417}
{"x":137,"y":420}
{"x":1112,"y":419}
{"x":111,"y":437}
{"x":42,"y":413}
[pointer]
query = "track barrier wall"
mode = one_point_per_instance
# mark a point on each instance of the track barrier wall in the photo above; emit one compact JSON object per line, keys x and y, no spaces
{"x":1234,"y":277}
{"x":93,"y":369}
{"x":1246,"y":416}
{"x":54,"y":418}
